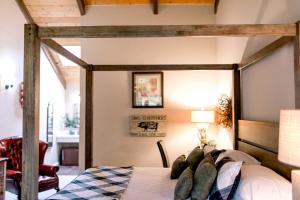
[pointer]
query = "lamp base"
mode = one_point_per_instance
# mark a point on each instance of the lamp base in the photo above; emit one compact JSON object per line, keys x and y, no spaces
{"x":296,"y":184}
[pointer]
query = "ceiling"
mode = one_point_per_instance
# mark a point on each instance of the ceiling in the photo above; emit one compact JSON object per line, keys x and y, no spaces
{"x":68,"y":12}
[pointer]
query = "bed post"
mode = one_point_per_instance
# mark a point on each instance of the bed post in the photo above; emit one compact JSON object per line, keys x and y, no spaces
{"x":89,"y":117}
{"x":236,"y":102}
{"x":30,"y":151}
{"x":297,"y":66}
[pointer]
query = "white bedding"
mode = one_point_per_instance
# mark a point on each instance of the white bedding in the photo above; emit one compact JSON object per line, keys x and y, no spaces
{"x":149,"y":183}
{"x":257,"y":183}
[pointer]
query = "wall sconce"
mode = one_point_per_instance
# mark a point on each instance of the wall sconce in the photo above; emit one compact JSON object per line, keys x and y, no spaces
{"x":7,"y":86}
{"x":203,"y":119}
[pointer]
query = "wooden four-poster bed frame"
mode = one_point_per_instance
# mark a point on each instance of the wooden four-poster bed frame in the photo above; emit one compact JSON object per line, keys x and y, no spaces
{"x":35,"y":35}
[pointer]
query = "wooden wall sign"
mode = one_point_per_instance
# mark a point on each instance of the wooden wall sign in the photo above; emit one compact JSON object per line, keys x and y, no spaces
{"x":148,"y":125}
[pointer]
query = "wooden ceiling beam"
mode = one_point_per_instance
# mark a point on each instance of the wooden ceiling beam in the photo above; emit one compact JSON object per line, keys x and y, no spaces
{"x":216,"y":6}
{"x":54,"y":65}
{"x":64,"y":52}
{"x":81,"y":6}
{"x":242,"y":30}
{"x":155,"y":6}
{"x":264,"y":52}
{"x":162,"y":67}
{"x":25,"y":11}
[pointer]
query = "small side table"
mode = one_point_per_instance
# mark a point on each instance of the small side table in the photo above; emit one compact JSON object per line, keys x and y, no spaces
{"x":2,"y":177}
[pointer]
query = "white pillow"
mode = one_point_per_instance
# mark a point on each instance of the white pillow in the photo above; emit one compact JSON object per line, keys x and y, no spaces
{"x":261,"y":183}
{"x":207,"y":149}
{"x":238,"y":156}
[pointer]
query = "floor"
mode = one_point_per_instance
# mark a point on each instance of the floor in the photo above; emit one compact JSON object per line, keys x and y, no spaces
{"x":63,"y":181}
{"x":68,"y":170}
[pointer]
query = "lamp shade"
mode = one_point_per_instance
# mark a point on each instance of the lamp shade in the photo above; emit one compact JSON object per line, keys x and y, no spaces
{"x":289,"y":137}
{"x":203,"y":116}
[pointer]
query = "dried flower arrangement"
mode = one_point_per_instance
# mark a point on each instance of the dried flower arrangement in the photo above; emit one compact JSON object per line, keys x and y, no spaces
{"x":224,"y":112}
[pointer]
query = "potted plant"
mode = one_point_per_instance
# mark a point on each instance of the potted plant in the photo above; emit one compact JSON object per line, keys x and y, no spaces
{"x":224,"y":112}
{"x":71,"y":123}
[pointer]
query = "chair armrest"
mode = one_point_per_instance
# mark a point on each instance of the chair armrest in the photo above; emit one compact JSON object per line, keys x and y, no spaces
{"x":48,"y":170}
{"x":2,"y":152}
{"x":16,"y":175}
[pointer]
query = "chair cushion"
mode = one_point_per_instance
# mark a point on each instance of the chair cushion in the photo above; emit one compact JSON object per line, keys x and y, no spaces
{"x":179,"y":165}
{"x":47,"y":182}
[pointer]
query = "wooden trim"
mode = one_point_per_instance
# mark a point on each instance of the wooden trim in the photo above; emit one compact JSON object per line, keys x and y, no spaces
{"x":81,"y":6}
{"x":297,"y":66}
{"x":265,"y":135}
{"x":25,"y":11}
{"x":138,"y":2}
{"x":216,"y":6}
{"x":161,"y":67}
{"x":236,"y":103}
{"x":89,"y":118}
{"x":264,"y":52}
{"x":64,"y":52}
{"x":30,"y":146}
{"x":242,"y":30}
{"x":54,"y":65}
{"x":155,"y":6}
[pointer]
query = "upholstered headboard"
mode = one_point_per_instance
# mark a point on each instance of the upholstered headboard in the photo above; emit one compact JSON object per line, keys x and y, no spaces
{"x":260,"y":139}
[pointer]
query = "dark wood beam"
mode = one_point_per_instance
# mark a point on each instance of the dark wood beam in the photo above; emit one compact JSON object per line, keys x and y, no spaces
{"x":54,"y":65}
{"x":89,"y":118}
{"x":64,"y":52}
{"x":30,"y":147}
{"x":243,"y":30}
{"x":81,"y":6}
{"x":25,"y":11}
{"x":297,"y":66}
{"x":216,"y":6}
{"x":236,"y":103}
{"x":161,"y":67}
{"x":155,"y":6}
{"x":265,"y":51}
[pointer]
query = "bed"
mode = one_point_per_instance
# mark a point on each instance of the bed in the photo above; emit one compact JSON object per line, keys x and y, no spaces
{"x":266,"y":181}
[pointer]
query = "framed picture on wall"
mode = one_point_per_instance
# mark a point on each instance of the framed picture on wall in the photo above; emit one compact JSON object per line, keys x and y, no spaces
{"x":147,"y":90}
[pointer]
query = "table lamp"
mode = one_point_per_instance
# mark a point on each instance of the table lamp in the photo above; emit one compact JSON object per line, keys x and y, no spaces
{"x":289,"y":145}
{"x":203,"y":119}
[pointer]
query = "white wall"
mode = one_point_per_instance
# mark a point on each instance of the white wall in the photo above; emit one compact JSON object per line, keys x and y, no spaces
{"x":184,"y":90}
{"x":72,"y":95}
{"x":148,"y":50}
{"x":51,"y":91}
{"x":268,"y":86}
{"x":11,"y":67}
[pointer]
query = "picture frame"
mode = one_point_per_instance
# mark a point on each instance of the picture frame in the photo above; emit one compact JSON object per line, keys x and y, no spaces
{"x":148,"y":125}
{"x":147,"y":90}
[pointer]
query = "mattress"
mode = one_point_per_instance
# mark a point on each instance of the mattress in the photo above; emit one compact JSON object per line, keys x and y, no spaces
{"x":150,"y":183}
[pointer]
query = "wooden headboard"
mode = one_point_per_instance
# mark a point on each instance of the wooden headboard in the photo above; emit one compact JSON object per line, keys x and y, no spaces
{"x":260,"y":139}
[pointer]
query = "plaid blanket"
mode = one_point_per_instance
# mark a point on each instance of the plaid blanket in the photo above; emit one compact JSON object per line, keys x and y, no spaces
{"x":103,"y":183}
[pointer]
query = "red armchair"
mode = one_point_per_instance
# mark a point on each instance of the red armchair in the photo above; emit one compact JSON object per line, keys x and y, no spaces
{"x":11,"y":148}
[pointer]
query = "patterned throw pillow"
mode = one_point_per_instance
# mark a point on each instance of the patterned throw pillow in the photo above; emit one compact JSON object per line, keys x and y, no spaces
{"x":227,"y":181}
{"x":195,"y":158}
{"x":204,"y":178}
{"x":178,"y":166}
{"x":184,"y":185}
